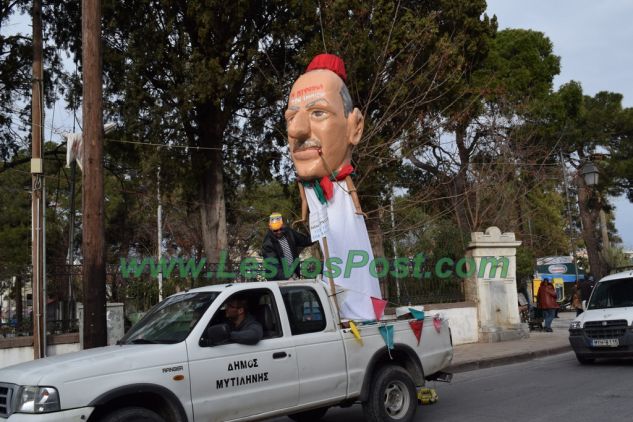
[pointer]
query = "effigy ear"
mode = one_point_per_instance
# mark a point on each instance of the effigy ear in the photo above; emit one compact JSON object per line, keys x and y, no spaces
{"x":356,"y":125}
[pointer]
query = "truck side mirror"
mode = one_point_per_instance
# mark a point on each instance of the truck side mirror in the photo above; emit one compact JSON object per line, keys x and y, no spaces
{"x":215,"y":335}
{"x":584,"y":305}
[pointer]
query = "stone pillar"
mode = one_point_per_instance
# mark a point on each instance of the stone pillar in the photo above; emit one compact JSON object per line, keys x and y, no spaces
{"x":492,"y":285}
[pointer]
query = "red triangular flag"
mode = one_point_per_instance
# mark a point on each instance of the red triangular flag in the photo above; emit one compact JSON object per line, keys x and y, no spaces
{"x":437,"y":323}
{"x":379,"y":307}
{"x":416,"y":326}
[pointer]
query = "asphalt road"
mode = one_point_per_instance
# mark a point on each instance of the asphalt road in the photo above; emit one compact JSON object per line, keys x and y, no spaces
{"x":554,"y":388}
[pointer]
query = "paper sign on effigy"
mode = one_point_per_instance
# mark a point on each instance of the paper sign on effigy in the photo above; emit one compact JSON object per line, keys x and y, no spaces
{"x":319,"y":223}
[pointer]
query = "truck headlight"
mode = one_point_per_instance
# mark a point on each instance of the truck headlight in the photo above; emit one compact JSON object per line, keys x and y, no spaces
{"x":575,"y":325}
{"x":34,"y":399}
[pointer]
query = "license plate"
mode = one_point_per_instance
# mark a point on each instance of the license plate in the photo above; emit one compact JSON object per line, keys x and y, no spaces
{"x":606,"y":342}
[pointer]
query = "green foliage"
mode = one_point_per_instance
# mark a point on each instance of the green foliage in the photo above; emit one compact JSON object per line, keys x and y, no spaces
{"x":546,"y":234}
{"x":16,"y":58}
{"x":207,"y":75}
{"x":15,"y":218}
{"x":616,"y":259}
{"x":519,"y":70}
{"x":15,"y":222}
{"x":525,"y":261}
{"x":15,"y":82}
{"x":249,"y":214}
{"x":618,"y":168}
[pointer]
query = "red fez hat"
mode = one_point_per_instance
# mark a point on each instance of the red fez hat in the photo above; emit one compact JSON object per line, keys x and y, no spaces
{"x":329,"y":62}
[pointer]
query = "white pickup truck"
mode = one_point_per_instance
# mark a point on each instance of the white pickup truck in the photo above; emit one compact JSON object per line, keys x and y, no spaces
{"x":168,"y":367}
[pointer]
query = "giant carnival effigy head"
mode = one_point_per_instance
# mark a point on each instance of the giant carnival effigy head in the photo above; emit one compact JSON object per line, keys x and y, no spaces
{"x":323,"y":125}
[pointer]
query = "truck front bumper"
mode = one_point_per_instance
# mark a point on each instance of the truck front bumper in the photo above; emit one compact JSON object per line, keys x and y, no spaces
{"x":582,"y":345}
{"x":73,"y":415}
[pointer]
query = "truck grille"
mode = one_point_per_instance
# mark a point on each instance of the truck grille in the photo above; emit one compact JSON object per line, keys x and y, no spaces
{"x":6,"y":391}
{"x":613,"y":329}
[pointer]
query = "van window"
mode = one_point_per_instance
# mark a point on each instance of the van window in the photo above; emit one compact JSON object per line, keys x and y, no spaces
{"x":612,"y":294}
{"x":304,"y":309}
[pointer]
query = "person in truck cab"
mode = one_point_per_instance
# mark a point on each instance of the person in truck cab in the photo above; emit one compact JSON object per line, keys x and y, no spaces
{"x":245,"y":329}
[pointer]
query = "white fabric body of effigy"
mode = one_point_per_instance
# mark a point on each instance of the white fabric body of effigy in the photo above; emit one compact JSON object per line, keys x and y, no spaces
{"x":345,"y":232}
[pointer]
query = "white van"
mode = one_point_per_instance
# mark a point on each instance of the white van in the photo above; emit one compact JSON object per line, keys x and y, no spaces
{"x":605,"y":329}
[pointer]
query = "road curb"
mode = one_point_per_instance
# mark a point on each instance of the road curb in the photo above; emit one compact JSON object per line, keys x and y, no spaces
{"x":506,"y":360}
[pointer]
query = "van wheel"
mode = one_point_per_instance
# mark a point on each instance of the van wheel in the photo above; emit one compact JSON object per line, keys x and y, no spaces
{"x":392,"y":396}
{"x":132,"y":414}
{"x":309,"y":415}
{"x":585,"y":361}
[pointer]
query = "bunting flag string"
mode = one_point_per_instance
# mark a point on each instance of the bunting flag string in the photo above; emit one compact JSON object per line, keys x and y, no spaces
{"x":419,"y":315}
{"x":437,"y":322}
{"x":356,"y":333}
{"x":416,"y":327}
{"x":386,"y":331}
{"x":379,"y":307}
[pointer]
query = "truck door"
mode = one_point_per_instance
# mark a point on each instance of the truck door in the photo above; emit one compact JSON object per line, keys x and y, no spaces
{"x":234,"y":380}
{"x":318,"y":344}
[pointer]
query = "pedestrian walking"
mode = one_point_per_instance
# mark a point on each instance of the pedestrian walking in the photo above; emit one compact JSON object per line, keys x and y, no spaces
{"x":586,"y":287}
{"x":547,"y":303}
{"x":576,"y":299}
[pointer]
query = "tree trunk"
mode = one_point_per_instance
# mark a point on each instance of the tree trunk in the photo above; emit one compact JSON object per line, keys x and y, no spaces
{"x":460,"y":184}
{"x":376,"y":238}
{"x":208,"y":165}
{"x":589,"y":219}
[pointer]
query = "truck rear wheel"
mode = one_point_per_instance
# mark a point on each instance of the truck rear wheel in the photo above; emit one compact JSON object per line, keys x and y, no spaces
{"x":392,"y":396}
{"x":313,"y":415}
{"x":132,"y":414}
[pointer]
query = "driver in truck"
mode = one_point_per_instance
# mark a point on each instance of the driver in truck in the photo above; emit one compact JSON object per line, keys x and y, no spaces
{"x":245,"y":329}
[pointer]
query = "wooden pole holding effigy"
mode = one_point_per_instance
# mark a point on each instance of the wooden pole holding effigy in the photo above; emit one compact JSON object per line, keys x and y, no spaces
{"x":351,"y":189}
{"x":326,"y":250}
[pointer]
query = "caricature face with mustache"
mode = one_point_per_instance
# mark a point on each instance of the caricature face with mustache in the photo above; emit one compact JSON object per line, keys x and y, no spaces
{"x":319,"y":128}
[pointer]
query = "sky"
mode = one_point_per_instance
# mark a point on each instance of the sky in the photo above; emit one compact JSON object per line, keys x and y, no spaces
{"x":594,"y":41}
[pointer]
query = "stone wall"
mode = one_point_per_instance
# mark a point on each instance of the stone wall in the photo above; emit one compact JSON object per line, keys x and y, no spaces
{"x":14,"y":350}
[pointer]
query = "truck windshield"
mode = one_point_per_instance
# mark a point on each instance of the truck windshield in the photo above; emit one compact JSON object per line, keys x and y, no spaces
{"x":612,"y":294}
{"x":171,"y":320}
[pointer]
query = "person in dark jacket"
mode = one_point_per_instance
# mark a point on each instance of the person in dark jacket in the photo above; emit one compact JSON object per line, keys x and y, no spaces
{"x":281,"y":248}
{"x":547,"y":303}
{"x":245,"y":329}
{"x":586,"y":287}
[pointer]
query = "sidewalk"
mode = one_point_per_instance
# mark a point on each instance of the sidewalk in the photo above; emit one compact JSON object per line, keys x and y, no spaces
{"x":468,"y":357}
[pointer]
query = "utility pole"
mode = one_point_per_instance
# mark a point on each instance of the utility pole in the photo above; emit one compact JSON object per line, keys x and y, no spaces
{"x":37,"y":185}
{"x":393,"y":245}
{"x":572,"y":241}
{"x":159,"y":224}
{"x":68,"y":309}
{"x":94,"y":276}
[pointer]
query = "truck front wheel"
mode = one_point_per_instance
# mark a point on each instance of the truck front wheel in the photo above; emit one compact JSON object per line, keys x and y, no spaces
{"x":392,"y":396}
{"x":132,"y":414}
